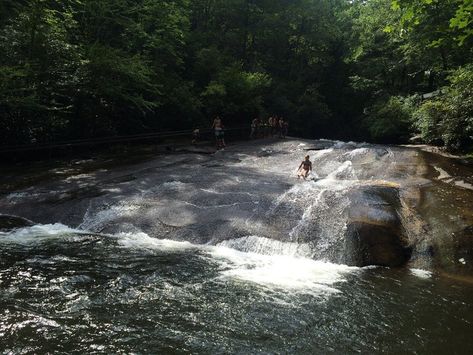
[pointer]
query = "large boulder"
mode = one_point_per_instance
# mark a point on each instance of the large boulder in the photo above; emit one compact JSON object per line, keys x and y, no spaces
{"x":374,"y":233}
{"x":8,"y":223}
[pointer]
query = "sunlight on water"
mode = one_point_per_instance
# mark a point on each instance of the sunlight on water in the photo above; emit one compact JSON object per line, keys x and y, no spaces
{"x":423,"y":274}
{"x":144,"y":241}
{"x":281,"y":271}
{"x":266,"y":246}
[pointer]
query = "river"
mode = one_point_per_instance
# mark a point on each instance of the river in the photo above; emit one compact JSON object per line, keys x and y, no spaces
{"x":230,"y":253}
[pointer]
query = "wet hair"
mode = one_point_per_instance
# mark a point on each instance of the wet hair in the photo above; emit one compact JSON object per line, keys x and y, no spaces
{"x":307,"y":157}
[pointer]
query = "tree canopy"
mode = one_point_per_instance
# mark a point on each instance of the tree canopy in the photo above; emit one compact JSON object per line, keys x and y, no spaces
{"x":348,"y":69}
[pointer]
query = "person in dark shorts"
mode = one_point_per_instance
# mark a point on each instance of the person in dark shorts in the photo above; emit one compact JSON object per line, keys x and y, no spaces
{"x":281,"y":127}
{"x":274,"y":126}
{"x":195,"y":136}
{"x":254,"y":128}
{"x":285,"y":129}
{"x":219,"y":135}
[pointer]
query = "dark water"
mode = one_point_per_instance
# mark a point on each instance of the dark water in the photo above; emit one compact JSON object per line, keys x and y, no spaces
{"x":67,"y":292}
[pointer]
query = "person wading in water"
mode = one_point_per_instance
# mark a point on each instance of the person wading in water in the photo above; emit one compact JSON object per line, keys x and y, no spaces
{"x":304,"y":168}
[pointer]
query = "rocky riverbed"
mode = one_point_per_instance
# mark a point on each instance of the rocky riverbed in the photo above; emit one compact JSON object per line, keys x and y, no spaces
{"x":196,"y":251}
{"x":363,"y":205}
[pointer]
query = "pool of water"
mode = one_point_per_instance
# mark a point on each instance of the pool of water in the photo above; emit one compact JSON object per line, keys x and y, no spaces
{"x":68,"y":291}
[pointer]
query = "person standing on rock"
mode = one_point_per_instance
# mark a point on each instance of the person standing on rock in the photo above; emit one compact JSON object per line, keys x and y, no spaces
{"x":281,"y":127}
{"x":254,"y":128}
{"x":195,"y":136}
{"x":274,"y":126}
{"x":268,"y":127}
{"x":219,"y":135}
{"x":304,"y":168}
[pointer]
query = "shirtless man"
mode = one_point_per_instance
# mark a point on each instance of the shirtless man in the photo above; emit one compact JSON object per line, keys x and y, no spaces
{"x":219,"y":135}
{"x":304,"y":168}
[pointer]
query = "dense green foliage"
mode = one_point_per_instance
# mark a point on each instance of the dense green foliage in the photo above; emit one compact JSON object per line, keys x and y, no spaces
{"x":449,"y":117}
{"x":334,"y":68}
{"x":410,"y":60}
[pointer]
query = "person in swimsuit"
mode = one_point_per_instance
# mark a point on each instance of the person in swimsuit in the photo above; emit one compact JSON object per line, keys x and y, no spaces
{"x":219,"y":136}
{"x":281,"y":127}
{"x":304,"y":168}
{"x":254,"y":128}
{"x":285,"y":129}
{"x":274,"y":126}
{"x":268,"y":127}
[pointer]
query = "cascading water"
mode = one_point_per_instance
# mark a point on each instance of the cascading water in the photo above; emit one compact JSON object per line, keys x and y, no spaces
{"x":224,"y":253}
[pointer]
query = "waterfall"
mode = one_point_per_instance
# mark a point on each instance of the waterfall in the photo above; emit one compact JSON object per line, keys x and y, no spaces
{"x":248,"y":199}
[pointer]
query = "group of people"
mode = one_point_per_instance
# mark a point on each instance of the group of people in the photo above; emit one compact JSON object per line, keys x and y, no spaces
{"x":274,"y":126}
{"x":218,"y":128}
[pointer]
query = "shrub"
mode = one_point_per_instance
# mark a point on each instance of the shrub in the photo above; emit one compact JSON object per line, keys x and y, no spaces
{"x":389,"y":121}
{"x":236,"y":94}
{"x":449,"y":118}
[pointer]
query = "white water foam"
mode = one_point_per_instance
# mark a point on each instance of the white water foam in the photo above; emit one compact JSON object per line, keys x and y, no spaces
{"x":356,"y":153}
{"x":302,"y":274}
{"x":306,"y":216}
{"x":344,"y":171}
{"x":281,"y":269}
{"x":266,"y":246}
{"x":347,"y":145}
{"x":423,"y":274}
{"x":144,"y":242}
{"x":80,"y":177}
{"x":96,"y":220}
{"x":38,"y":233}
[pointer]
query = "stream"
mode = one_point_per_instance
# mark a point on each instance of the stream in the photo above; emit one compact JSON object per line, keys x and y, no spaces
{"x":230,"y":253}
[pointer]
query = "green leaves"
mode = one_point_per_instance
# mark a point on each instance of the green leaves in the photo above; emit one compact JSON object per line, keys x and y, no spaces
{"x":77,"y":68}
{"x":395,"y":5}
{"x":463,"y":21}
{"x":236,"y":92}
{"x":448,"y":117}
{"x":460,"y":16}
{"x":115,"y":79}
{"x":388,"y":121}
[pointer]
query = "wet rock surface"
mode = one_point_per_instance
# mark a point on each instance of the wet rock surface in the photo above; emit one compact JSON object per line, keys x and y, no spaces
{"x":373,"y":244}
{"x":367,"y":204}
{"x":375,"y":234}
{"x":8,"y":223}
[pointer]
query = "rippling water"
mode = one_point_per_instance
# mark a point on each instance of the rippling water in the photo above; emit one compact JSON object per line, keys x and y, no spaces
{"x":67,"y":291}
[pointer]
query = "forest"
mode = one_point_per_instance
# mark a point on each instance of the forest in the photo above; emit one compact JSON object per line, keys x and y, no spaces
{"x":368,"y":70}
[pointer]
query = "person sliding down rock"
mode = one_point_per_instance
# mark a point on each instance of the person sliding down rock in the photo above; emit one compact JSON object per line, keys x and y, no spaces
{"x":304,"y":168}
